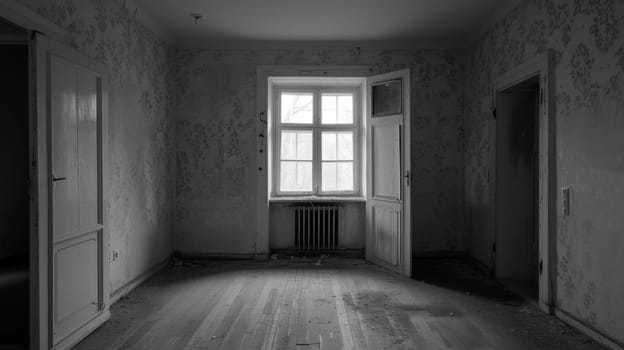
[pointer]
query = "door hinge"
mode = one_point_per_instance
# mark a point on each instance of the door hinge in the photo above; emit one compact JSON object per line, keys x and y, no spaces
{"x":541,"y":267}
{"x":407,"y":178}
{"x":494,"y":113}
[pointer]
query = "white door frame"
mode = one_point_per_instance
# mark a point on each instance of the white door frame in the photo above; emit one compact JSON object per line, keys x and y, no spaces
{"x":41,"y":238}
{"x":39,"y":139}
{"x":40,"y":327}
{"x":543,"y":67}
{"x":263,"y":108}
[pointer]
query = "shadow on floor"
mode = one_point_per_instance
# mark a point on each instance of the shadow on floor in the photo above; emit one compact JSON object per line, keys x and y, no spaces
{"x":460,"y":274}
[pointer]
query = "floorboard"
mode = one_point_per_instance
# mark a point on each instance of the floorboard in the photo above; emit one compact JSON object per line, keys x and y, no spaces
{"x":337,"y":304}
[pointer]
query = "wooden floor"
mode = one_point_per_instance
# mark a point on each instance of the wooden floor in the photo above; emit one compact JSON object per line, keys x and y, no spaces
{"x":304,"y":304}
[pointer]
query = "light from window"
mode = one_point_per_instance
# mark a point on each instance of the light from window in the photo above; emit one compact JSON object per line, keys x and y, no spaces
{"x":337,"y":168}
{"x":296,"y":161}
{"x":297,"y":108}
{"x":317,"y":141}
{"x":337,"y":108}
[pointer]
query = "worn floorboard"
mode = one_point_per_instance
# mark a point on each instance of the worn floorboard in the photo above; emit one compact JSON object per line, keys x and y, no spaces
{"x":337,"y":304}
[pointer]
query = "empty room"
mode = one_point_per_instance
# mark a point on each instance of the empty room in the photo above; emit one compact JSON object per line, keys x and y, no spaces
{"x":328,"y":174}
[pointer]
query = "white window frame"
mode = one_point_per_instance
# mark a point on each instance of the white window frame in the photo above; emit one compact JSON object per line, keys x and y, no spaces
{"x":317,"y":128}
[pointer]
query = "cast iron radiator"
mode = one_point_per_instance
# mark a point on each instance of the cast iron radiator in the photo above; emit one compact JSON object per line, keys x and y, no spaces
{"x":317,"y":227}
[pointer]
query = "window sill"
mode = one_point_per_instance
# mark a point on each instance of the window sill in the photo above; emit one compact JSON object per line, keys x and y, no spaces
{"x":317,"y":199}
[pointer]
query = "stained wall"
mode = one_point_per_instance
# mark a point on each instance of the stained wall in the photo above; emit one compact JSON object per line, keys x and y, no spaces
{"x":215,"y":111}
{"x":140,"y":134}
{"x":588,"y":42}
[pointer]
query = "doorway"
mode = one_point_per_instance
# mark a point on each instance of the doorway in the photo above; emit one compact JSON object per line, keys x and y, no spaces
{"x":517,"y":188}
{"x":14,"y":186}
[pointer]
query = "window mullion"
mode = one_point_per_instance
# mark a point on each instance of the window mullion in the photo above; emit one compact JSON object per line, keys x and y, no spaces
{"x":316,"y":167}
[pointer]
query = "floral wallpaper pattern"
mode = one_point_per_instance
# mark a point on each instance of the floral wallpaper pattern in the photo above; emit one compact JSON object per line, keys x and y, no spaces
{"x":141,"y":133}
{"x":189,"y":115}
{"x":214,"y":101}
{"x":586,"y":37}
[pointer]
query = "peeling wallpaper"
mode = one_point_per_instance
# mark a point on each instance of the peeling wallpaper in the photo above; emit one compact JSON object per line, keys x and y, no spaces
{"x":588,"y":41}
{"x":141,"y":133}
{"x":215,"y":111}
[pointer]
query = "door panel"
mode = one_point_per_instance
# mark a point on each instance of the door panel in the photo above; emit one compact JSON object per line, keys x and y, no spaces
{"x":388,"y":229}
{"x":87,"y":149}
{"x":76,"y":284}
{"x":64,"y":147}
{"x":386,"y":163}
{"x":71,"y":99}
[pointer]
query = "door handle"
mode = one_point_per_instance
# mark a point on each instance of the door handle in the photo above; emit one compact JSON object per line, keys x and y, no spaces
{"x":55,"y":179}
{"x":407,"y":177}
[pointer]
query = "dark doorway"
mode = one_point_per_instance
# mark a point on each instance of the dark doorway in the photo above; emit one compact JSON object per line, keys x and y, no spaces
{"x":517,"y":254}
{"x":14,"y":186}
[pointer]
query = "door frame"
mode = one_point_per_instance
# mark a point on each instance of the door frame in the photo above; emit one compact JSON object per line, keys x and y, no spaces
{"x":541,"y":66}
{"x":405,"y":241}
{"x":39,"y":153}
{"x":41,"y":234}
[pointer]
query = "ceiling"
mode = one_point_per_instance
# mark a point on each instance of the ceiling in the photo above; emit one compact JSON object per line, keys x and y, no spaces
{"x":321,"y":20}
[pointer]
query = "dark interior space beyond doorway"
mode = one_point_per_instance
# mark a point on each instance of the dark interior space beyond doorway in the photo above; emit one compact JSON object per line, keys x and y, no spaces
{"x":517,"y":176}
{"x":14,"y":205}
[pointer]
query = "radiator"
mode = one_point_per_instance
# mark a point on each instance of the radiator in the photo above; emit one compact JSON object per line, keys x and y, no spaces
{"x":317,"y":228}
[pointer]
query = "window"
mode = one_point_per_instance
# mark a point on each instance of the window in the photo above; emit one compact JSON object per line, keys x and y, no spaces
{"x":316,"y":139}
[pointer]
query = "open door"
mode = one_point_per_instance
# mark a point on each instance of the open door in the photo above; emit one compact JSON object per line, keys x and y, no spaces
{"x":388,"y":228}
{"x":71,"y":232}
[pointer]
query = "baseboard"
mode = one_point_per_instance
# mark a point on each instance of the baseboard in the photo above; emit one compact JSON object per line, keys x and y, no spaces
{"x":221,"y":256}
{"x":347,"y":253}
{"x":442,"y":254}
{"x":588,"y":330}
{"x":126,"y":288}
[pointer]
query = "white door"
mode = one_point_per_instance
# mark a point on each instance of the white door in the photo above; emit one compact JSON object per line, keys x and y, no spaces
{"x":388,"y":233}
{"x":71,"y":101}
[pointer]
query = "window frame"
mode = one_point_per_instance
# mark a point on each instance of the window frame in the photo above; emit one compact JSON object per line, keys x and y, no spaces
{"x":317,"y":129}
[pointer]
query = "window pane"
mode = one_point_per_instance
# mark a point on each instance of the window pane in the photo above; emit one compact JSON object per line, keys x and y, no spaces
{"x":337,"y":145}
{"x":329,"y":177}
{"x":345,"y":146}
{"x":329,"y":145}
{"x":345,"y":176}
{"x":337,"y":176}
{"x":345,"y":109}
{"x":337,"y":109}
{"x":296,"y":176}
{"x":296,"y":145}
{"x":296,"y":108}
{"x":329,"y":109}
{"x":386,"y":98}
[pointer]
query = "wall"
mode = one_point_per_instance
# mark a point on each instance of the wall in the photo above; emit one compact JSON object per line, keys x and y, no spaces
{"x":215,"y":110}
{"x":140,"y":131}
{"x":587,"y":37}
{"x":14,"y":203}
{"x":352,"y":229}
